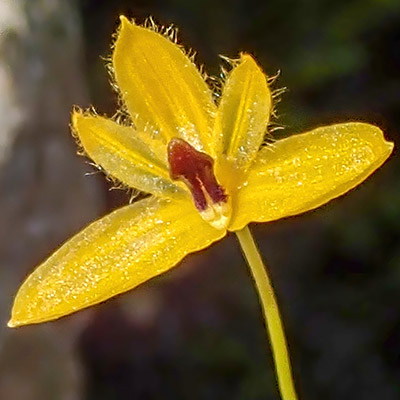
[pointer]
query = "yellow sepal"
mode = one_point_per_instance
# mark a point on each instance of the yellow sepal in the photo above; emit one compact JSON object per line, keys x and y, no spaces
{"x":304,"y":171}
{"x":111,"y":256}
{"x":162,"y":88}
{"x":242,"y":117}
{"x":125,"y":155}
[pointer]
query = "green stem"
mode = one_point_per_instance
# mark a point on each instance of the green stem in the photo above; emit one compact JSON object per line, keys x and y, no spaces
{"x":271,"y":314}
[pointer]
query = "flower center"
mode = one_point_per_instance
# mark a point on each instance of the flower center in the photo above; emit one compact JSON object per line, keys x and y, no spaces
{"x":195,"y":169}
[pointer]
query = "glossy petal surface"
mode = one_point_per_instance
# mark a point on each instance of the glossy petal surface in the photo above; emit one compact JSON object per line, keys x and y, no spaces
{"x":304,"y":171}
{"x":124,"y":155}
{"x":162,"y":87}
{"x":111,"y":256}
{"x":243,"y":115}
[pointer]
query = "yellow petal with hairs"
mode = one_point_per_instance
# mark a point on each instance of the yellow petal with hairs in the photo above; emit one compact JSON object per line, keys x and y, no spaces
{"x":124,"y":154}
{"x":111,"y":256}
{"x":242,"y":116}
{"x":304,"y":171}
{"x":162,"y":88}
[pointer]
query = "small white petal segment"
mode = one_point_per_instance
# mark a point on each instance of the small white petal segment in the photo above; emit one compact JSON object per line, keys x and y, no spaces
{"x":304,"y":171}
{"x":126,"y":155}
{"x":242,"y":116}
{"x":162,"y":87}
{"x":111,"y":256}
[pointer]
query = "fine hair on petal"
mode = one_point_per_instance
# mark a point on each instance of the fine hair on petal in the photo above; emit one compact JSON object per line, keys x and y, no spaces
{"x":115,"y":183}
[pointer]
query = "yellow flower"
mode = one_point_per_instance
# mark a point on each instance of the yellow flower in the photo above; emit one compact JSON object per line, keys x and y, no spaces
{"x":204,"y":165}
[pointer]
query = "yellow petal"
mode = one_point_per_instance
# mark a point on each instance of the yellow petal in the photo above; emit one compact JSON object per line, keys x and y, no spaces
{"x":304,"y":171}
{"x":242,"y":116}
{"x":122,"y":153}
{"x":161,"y":86}
{"x":111,"y":256}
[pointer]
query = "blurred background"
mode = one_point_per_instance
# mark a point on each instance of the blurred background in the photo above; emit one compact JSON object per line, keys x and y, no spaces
{"x":197,"y":332}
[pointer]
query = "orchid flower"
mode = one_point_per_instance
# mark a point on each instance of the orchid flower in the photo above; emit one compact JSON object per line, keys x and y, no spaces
{"x":208,"y":171}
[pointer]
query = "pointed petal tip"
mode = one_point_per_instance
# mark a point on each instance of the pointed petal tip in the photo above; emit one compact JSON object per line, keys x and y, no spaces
{"x":390,"y":146}
{"x":12,"y":323}
{"x":125,"y":25}
{"x":124,"y":21}
{"x":249,"y":60}
{"x":246,"y":57}
{"x":17,"y":323}
{"x":387,"y":144}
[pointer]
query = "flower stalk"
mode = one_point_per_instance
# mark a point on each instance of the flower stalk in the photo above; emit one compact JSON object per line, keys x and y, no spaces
{"x":272,"y":317}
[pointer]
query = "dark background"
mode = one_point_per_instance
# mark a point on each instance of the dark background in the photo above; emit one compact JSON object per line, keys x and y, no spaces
{"x":197,"y":332}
